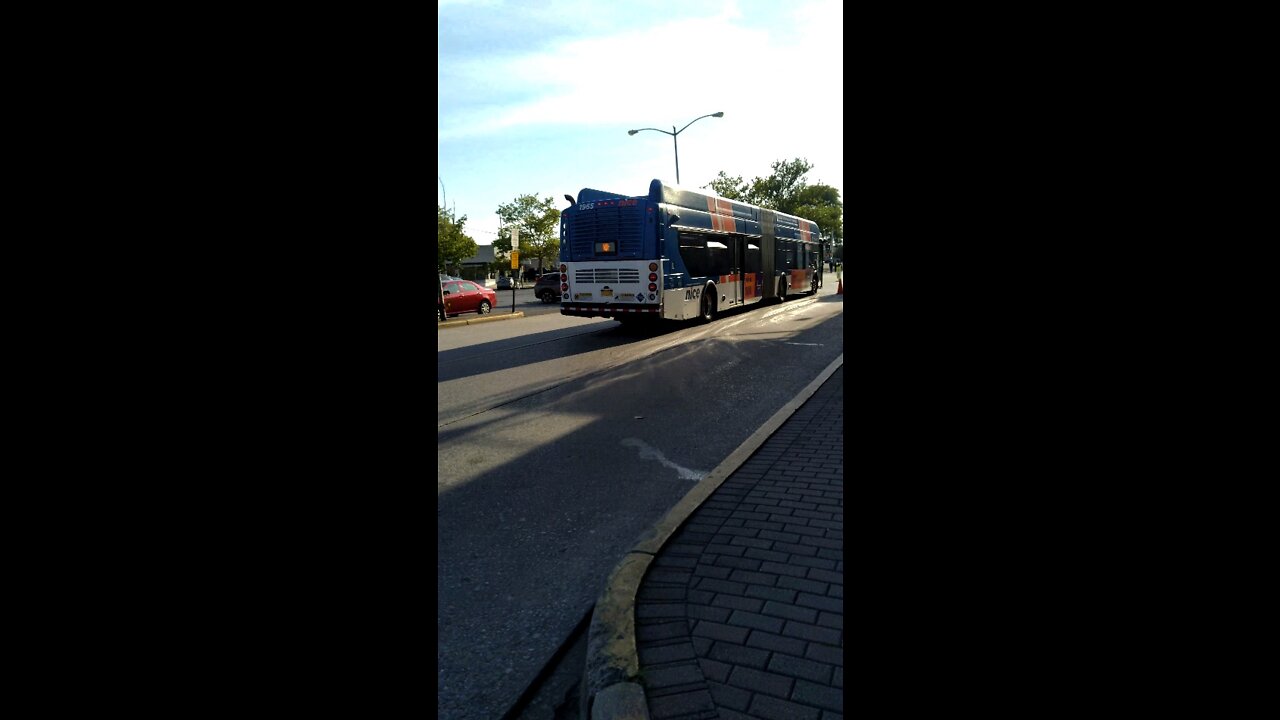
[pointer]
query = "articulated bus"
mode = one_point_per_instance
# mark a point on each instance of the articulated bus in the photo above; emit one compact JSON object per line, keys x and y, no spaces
{"x":679,"y":254}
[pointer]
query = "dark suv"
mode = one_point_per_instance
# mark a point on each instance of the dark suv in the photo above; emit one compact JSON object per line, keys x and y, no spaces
{"x":547,"y":288}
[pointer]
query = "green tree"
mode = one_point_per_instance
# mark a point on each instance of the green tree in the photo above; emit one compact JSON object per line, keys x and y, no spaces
{"x":539,"y":223}
{"x":452,"y":245}
{"x":781,"y":189}
{"x":821,"y":204}
{"x":786,"y":190}
{"x":729,"y":187}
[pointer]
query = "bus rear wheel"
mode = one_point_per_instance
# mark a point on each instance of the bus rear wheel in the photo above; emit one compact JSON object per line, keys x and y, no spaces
{"x":708,"y":304}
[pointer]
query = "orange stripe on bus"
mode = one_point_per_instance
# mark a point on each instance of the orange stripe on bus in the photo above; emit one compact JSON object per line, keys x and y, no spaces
{"x":721,"y":212}
{"x":728,"y":222}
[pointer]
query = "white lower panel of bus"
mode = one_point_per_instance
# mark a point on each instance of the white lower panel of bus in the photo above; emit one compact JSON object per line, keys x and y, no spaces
{"x":682,"y":303}
{"x":686,"y":303}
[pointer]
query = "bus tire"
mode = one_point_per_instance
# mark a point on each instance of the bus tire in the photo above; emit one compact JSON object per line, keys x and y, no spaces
{"x":782,"y":290}
{"x":708,"y":303}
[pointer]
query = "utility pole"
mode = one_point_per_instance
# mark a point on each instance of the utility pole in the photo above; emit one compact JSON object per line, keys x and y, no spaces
{"x":515,"y":263}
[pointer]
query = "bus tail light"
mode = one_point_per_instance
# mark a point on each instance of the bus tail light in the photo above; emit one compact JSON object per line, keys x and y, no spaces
{"x":565,"y":268}
{"x":564,"y":287}
{"x":652,"y":287}
{"x":653,"y":267}
{"x":653,"y":277}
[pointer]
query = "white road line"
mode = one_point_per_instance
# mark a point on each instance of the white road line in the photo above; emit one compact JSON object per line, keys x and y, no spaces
{"x":650,"y":453}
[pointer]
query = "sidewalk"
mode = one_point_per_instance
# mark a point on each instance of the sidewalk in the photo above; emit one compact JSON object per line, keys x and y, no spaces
{"x":740,"y":614}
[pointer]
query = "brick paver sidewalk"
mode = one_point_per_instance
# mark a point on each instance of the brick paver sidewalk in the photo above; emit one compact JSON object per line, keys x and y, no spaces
{"x":742,"y":612}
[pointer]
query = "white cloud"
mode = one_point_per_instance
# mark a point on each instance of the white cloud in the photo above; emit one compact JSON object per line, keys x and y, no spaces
{"x":621,"y":79}
{"x":780,"y":87}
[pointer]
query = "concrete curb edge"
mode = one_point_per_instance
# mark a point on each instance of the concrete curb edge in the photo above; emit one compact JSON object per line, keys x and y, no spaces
{"x":613,"y":665}
{"x":476,"y":320}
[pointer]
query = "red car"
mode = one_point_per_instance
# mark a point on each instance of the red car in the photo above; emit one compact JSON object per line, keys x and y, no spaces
{"x":463,"y":296}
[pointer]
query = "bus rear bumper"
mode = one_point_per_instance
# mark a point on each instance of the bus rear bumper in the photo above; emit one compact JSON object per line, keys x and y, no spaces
{"x":608,"y":310}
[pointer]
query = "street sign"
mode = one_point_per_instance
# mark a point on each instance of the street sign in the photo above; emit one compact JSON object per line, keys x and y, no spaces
{"x":515,"y":259}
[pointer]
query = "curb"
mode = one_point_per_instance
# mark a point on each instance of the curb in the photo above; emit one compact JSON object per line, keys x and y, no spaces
{"x":477,"y":320}
{"x":612,"y":689}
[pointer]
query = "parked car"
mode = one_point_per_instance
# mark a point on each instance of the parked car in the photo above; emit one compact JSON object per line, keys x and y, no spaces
{"x":463,"y":296}
{"x":547,"y":288}
{"x":505,"y":283}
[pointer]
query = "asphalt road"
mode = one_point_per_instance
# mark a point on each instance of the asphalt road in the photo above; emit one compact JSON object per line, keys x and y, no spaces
{"x":560,"y":440}
{"x":525,"y":302}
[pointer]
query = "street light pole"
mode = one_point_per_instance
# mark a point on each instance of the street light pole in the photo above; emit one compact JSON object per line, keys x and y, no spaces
{"x":674,"y":132}
{"x":446,"y":194}
{"x":676,"y":146}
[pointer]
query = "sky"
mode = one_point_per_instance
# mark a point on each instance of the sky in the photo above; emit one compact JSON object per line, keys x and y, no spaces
{"x":536,"y":96}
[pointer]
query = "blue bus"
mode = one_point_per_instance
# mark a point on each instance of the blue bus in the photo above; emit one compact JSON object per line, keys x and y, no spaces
{"x":679,"y":254}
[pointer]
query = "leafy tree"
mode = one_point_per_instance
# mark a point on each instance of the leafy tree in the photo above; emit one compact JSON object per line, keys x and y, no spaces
{"x":787,"y":191}
{"x":539,"y":223}
{"x":729,"y":187}
{"x":821,"y":204}
{"x":781,"y":189}
{"x":452,"y":245}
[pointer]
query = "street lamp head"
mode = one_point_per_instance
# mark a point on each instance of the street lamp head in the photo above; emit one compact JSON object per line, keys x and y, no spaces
{"x":676,"y":134}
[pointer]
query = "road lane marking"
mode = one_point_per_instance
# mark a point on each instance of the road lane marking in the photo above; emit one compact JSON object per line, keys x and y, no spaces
{"x":650,"y":453}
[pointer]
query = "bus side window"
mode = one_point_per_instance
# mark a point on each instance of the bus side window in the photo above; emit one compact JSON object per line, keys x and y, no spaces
{"x":693,"y":250}
{"x":719,"y":259}
{"x":752,"y":264}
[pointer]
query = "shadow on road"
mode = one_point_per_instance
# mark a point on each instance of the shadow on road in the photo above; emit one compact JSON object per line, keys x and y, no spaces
{"x":512,"y":353}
